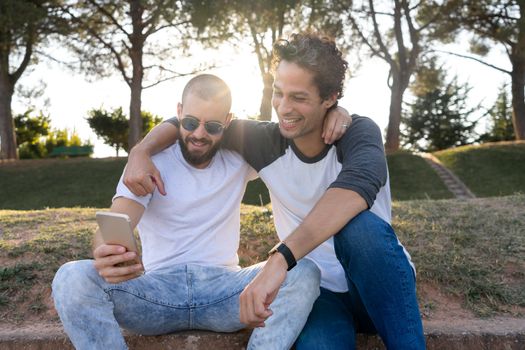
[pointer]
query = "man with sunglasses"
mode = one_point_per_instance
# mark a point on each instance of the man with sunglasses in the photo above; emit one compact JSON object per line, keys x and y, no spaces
{"x":189,"y":277}
{"x":331,"y":205}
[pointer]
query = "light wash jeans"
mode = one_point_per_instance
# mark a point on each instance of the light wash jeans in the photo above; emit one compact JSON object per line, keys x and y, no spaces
{"x":180,"y":298}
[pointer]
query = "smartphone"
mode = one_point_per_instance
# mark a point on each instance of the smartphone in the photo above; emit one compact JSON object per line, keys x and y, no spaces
{"x":115,"y":228}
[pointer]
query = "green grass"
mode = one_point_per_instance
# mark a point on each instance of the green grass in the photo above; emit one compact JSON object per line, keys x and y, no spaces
{"x":493,"y":169}
{"x":473,"y":251}
{"x":87,"y":182}
{"x":75,"y":182}
{"x":55,"y":183}
{"x":412,"y":178}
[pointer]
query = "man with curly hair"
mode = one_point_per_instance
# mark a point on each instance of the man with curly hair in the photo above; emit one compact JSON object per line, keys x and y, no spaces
{"x":331,"y":204}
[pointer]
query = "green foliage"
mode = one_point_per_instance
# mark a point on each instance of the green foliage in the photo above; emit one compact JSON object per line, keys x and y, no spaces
{"x":439,"y":116}
{"x":25,"y":25}
{"x":31,"y":129}
{"x":492,"y":169}
{"x":113,"y":126}
{"x":30,"y":134}
{"x":501,"y":128}
{"x":36,"y":139}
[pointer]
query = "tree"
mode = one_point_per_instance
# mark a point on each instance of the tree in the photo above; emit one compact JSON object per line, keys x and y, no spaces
{"x":386,"y":28}
{"x":261,"y":23}
{"x":24,"y":25}
{"x":30,"y":132}
{"x":501,"y":128}
{"x":113,"y":127}
{"x":439,"y":116}
{"x":123,"y":35}
{"x":36,"y":139}
{"x":501,"y":22}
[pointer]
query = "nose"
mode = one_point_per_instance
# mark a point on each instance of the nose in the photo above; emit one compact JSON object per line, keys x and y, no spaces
{"x":200,"y":132}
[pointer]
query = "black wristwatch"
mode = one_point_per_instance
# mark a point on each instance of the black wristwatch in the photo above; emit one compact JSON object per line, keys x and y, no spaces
{"x":286,"y":252}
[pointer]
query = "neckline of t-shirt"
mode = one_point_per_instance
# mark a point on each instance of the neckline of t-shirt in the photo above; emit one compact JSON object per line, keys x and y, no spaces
{"x":306,"y":159}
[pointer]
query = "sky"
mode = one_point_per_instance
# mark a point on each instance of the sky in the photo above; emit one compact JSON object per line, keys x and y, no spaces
{"x":71,"y":95}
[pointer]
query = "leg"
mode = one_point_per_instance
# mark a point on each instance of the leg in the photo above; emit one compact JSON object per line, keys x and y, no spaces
{"x":330,"y":325}
{"x":375,"y":263}
{"x":92,"y":310}
{"x":84,"y":308}
{"x":290,"y":309}
{"x":216,"y":303}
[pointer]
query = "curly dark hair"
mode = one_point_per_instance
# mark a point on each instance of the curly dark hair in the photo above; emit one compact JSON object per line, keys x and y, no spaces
{"x":317,"y":54}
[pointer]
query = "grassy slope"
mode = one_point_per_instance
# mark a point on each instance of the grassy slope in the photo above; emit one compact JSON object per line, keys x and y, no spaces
{"x":412,"y":178}
{"x":473,"y":250}
{"x":84,"y":182}
{"x":55,"y":183}
{"x":493,"y":169}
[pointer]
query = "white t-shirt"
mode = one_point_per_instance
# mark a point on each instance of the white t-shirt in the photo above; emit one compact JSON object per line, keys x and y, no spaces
{"x":296,"y":182}
{"x":198,"y":221}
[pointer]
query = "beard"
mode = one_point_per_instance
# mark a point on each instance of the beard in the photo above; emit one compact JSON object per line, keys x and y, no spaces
{"x":197,"y":159}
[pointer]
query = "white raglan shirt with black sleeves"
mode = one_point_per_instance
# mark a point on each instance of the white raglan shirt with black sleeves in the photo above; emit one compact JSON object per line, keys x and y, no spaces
{"x":198,"y":221}
{"x":296,"y":183}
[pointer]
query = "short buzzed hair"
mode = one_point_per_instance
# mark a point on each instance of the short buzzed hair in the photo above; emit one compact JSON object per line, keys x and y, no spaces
{"x":207,"y":87}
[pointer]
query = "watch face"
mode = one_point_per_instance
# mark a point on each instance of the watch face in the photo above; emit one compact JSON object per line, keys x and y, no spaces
{"x":274,"y":249}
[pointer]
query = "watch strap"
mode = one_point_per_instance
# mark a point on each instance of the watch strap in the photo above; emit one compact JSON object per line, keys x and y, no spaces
{"x":286,"y":252}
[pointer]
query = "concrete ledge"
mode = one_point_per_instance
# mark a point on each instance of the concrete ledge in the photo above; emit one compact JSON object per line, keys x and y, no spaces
{"x":52,"y":338}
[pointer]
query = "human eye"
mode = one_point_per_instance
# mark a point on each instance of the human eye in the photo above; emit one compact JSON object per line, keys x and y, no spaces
{"x":299,"y":98}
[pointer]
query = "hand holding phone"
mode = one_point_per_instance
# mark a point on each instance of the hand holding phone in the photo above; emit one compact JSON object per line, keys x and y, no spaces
{"x":119,"y":258}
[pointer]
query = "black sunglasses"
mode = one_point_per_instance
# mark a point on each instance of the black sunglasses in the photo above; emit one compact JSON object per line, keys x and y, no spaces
{"x":191,"y":124}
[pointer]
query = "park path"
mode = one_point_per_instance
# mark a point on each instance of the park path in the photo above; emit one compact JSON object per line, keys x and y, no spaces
{"x":451,"y":181}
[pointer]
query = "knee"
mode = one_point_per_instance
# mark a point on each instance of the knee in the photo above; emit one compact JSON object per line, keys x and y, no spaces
{"x":71,"y":279}
{"x":365,"y":234}
{"x":306,"y":277}
{"x":362,"y":231}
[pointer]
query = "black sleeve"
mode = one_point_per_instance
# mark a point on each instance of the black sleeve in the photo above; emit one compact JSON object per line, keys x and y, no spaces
{"x":361,"y":152}
{"x":259,"y":143}
{"x":173,"y":121}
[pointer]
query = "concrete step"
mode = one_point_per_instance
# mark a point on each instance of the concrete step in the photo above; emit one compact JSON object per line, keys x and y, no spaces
{"x":497,"y":334}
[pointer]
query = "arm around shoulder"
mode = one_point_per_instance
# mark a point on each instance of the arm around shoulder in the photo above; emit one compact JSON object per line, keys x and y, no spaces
{"x":141,"y":176}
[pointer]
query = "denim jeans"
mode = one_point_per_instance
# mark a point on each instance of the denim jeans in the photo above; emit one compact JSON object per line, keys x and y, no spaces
{"x":180,"y":298}
{"x":381,"y":295}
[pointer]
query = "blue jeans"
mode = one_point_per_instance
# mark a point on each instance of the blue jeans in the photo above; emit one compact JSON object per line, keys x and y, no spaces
{"x":381,"y":297}
{"x":180,"y":298}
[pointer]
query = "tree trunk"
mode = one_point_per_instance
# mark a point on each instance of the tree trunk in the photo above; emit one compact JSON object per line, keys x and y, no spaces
{"x":266,"y":102}
{"x":7,"y":129}
{"x":135,"y":120}
{"x":394,"y":119}
{"x":518,"y":97}
{"x":137,"y":45}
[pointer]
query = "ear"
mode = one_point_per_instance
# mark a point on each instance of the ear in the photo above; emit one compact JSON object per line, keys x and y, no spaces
{"x":179,"y":110}
{"x":228,"y":120}
{"x":330,"y":100}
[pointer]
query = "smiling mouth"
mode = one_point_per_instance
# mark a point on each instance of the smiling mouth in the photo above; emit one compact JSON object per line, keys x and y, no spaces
{"x":199,"y":143}
{"x":290,"y":122}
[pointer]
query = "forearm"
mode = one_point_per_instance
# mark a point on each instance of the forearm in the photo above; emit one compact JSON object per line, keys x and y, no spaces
{"x":331,"y":213}
{"x":159,"y":138}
